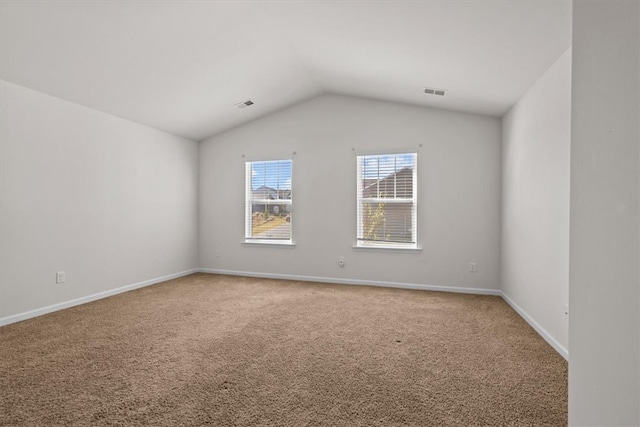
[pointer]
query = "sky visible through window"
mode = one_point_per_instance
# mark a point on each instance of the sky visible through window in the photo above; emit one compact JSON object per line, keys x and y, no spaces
{"x":272,"y":174}
{"x":381,"y":166}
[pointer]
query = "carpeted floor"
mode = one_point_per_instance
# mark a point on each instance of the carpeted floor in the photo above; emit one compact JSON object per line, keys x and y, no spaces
{"x":233,"y":351}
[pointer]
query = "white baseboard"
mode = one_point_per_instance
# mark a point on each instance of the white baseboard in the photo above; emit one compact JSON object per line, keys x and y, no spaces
{"x":341,"y":281}
{"x":478,"y":291}
{"x":539,"y":329}
{"x":55,"y":307}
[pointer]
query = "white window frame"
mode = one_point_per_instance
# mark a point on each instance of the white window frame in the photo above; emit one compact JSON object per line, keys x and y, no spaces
{"x":370,"y":244}
{"x":248,"y":239}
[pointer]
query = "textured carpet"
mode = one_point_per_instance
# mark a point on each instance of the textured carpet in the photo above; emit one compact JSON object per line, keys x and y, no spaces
{"x":233,"y":351}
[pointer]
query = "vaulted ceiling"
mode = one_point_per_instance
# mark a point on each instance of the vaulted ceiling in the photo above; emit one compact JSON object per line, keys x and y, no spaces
{"x":181,"y":66}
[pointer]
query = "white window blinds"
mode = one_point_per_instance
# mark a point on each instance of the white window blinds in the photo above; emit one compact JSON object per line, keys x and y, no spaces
{"x":386,"y":200}
{"x":268,"y":201}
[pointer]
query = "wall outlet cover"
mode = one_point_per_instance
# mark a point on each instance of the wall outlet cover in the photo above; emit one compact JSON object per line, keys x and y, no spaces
{"x":60,"y":277}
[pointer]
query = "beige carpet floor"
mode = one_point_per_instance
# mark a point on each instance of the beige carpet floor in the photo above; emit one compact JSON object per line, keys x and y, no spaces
{"x":233,"y":351}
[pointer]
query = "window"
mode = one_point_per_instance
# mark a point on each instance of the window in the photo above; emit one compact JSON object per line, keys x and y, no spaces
{"x":387,"y":201}
{"x":268,"y":201}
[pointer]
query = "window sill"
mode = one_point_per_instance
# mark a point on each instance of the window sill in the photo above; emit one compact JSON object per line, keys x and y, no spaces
{"x":269,"y":243}
{"x":389,"y":248}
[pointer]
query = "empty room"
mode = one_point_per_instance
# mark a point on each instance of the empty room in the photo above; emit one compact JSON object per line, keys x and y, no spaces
{"x":320,"y":213}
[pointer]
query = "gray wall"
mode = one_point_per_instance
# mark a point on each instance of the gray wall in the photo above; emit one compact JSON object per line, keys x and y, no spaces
{"x":458,"y":193}
{"x":536,"y":141}
{"x":110,"y":202}
{"x":604,"y":285}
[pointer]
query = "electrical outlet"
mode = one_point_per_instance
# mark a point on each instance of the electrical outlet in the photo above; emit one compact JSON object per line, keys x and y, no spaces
{"x":341,"y":261}
{"x":61,"y":276}
{"x":218,"y":253}
{"x":473,"y":267}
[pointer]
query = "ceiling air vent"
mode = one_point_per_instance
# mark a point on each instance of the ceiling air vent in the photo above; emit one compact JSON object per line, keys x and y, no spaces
{"x":244,"y":104}
{"x":432,"y":91}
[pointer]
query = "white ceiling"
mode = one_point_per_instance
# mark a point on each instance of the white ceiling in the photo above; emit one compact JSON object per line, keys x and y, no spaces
{"x":180,"y":66}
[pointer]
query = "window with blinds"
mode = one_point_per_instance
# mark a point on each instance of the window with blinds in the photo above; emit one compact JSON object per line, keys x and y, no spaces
{"x":387,"y":201}
{"x":268,"y":201}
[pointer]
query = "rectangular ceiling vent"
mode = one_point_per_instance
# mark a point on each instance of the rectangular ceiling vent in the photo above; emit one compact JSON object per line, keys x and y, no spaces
{"x":432,"y":91}
{"x":244,"y":104}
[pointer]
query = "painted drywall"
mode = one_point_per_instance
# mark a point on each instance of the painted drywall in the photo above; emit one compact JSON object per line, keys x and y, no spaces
{"x":604,"y":289}
{"x":110,"y":202}
{"x":536,"y":140}
{"x":458,"y":193}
